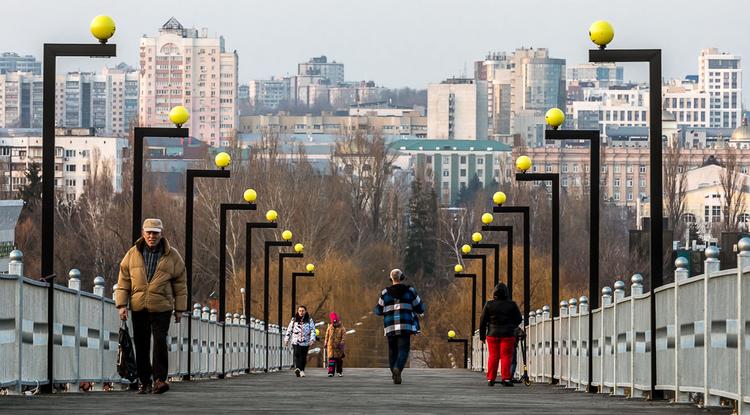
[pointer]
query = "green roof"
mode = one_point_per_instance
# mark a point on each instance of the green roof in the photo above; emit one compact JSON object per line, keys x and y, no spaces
{"x":448,"y":145}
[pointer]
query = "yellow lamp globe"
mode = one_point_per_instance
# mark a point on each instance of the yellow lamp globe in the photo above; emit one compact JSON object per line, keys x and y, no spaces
{"x":499,"y":198}
{"x":487,"y":218}
{"x":222,"y":160}
{"x":286,"y":235}
{"x":458,"y":268}
{"x":179,"y":115}
{"x":476,"y":237}
{"x":317,"y":332}
{"x":298,"y":248}
{"x":271,"y":215}
{"x":310,"y":267}
{"x":451,"y":334}
{"x":466,"y":249}
{"x":250,"y":195}
{"x":554,"y":117}
{"x":102,"y":27}
{"x":523,"y":163}
{"x":601,"y":32}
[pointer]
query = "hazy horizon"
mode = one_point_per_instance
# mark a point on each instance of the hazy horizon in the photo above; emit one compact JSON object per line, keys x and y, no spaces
{"x":394,"y":43}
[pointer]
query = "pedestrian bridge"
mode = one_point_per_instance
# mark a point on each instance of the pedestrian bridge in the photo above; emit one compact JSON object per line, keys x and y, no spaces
{"x":702,"y":354}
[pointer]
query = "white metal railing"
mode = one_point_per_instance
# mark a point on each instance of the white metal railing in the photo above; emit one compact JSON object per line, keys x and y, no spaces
{"x":86,"y":328}
{"x":702,"y":338}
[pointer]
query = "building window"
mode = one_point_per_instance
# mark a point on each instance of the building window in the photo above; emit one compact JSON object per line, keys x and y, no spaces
{"x":629,"y":169}
{"x":617,"y":168}
{"x":548,"y":168}
{"x":715,"y":213}
{"x":446,"y":160}
{"x":70,"y":167}
{"x":565,"y":167}
{"x":463,"y":160}
{"x":617,"y":196}
{"x":480,"y":160}
{"x":463,"y":173}
{"x":617,"y":182}
{"x":446,"y":173}
{"x":642,"y":168}
{"x":630,"y":196}
{"x":629,"y":183}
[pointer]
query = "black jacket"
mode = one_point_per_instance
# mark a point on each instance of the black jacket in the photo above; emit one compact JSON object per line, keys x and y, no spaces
{"x":500,"y":316}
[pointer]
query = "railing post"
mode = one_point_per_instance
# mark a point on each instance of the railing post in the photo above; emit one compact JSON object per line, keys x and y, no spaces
{"x":547,"y":348}
{"x":619,"y":295}
{"x":572,"y":349}
{"x":681,"y":273}
{"x":74,"y":283}
{"x":563,"y":341}
{"x":539,"y":346}
{"x":743,"y":261}
{"x":636,"y":289}
{"x":711,"y":265}
{"x":606,"y":300}
{"x":99,"y":291}
{"x":583,"y":309}
{"x":15,"y":267}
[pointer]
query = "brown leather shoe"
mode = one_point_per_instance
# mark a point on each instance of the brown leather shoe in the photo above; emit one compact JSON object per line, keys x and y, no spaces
{"x":144,"y":389}
{"x":160,"y":387}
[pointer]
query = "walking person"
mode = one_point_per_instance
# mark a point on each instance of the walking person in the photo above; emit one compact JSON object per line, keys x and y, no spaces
{"x":334,"y":345}
{"x":153,"y":283}
{"x":399,"y":304}
{"x":301,"y":330}
{"x":500,"y":318}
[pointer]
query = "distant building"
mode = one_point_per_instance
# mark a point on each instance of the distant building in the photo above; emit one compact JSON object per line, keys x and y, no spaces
{"x":603,"y":74}
{"x":21,"y":96}
{"x":181,"y":66}
{"x":77,"y":153}
{"x":449,"y":165}
{"x":13,"y":62}
{"x":400,"y":122}
{"x":332,"y":72}
{"x":457,"y":109}
{"x":268,"y":94}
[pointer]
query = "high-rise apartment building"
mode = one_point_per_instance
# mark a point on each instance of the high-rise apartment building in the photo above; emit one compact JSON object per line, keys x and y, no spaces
{"x":457,"y":109}
{"x":21,"y":96}
{"x":332,"y":72}
{"x":602,"y":74}
{"x":187,"y":67}
{"x":13,"y":62}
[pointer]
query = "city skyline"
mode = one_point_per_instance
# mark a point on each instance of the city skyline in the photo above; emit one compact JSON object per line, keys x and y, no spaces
{"x":410,"y":53}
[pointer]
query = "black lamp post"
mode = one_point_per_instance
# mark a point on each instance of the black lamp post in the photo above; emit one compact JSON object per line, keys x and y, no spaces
{"x":139,"y":134}
{"x":526,"y":253}
{"x":249,"y":226}
{"x":282,"y":257}
{"x":484,"y":273}
{"x":51,"y":53}
{"x":223,"y":209}
{"x":294,"y":285}
{"x":496,"y":247}
{"x":473,"y":298}
{"x":266,"y":286}
{"x":465,"y":343}
{"x":591,"y":136}
{"x":192,"y":174}
{"x":555,"y":179}
{"x":653,"y":58}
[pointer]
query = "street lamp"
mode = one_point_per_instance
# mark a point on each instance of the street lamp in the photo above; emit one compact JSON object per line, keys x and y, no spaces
{"x":310,"y":273}
{"x":601,"y":33}
{"x":452,"y":339}
{"x":179,"y":116}
{"x":298,"y":248}
{"x":499,"y":198}
{"x":468,"y":255}
{"x":460,"y":274}
{"x":103,"y":28}
{"x":555,"y":118}
{"x":286,"y":236}
{"x":523,"y":163}
{"x":222,"y":160}
{"x":250,"y":195}
{"x":496,"y":247}
{"x":271,"y":217}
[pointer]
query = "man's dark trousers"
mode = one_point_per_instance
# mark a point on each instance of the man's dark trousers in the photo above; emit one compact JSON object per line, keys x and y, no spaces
{"x":398,"y":350}
{"x":146,"y":324}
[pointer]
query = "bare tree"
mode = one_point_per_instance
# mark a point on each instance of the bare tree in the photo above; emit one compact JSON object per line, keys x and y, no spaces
{"x":675,"y":182}
{"x":733,"y":186}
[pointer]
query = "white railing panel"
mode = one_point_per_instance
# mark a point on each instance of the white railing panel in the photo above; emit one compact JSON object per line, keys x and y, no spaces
{"x":90,"y":338}
{"x":665,"y":337}
{"x":723,"y":330}
{"x":9,"y":330}
{"x":598,"y":347}
{"x":559,"y":336}
{"x":623,"y":343}
{"x":110,"y":337}
{"x":642,"y":352}
{"x":608,"y":355}
{"x":583,"y":351}
{"x":173,"y":346}
{"x":690,"y":340}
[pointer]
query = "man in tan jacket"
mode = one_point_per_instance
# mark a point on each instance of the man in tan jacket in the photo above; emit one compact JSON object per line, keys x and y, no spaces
{"x":153,"y":281}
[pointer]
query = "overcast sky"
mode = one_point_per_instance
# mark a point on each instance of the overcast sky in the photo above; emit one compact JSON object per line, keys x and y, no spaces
{"x":393,"y":42}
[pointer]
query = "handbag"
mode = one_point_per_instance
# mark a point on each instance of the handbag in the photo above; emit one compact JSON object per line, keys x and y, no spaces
{"x":126,"y":366}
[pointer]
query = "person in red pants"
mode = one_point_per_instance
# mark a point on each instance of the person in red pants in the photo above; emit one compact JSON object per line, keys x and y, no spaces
{"x":500,"y":317}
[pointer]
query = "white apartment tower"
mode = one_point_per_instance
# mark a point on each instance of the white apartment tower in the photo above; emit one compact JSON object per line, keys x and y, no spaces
{"x":186,"y":67}
{"x":720,"y":75}
{"x":457,"y":109}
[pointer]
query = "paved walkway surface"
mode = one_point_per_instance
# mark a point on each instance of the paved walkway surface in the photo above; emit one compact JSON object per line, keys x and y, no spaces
{"x":360,"y":391}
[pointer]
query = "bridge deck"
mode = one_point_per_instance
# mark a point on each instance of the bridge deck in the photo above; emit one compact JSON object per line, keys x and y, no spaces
{"x":359,"y":391}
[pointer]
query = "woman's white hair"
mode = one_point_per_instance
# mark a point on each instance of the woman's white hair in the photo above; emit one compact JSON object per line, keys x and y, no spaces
{"x":396,"y":275}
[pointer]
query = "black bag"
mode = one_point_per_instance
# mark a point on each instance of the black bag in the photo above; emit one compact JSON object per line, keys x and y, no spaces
{"x":126,"y":367}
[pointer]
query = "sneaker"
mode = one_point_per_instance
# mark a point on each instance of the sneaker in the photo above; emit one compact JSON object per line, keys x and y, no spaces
{"x":397,"y":376}
{"x":393,"y":373}
{"x":144,"y":389}
{"x":341,"y":374}
{"x":302,"y":373}
{"x":330,"y":375}
{"x":490,"y":383}
{"x":507,"y":383}
{"x":160,"y":387}
{"x":296,"y":372}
